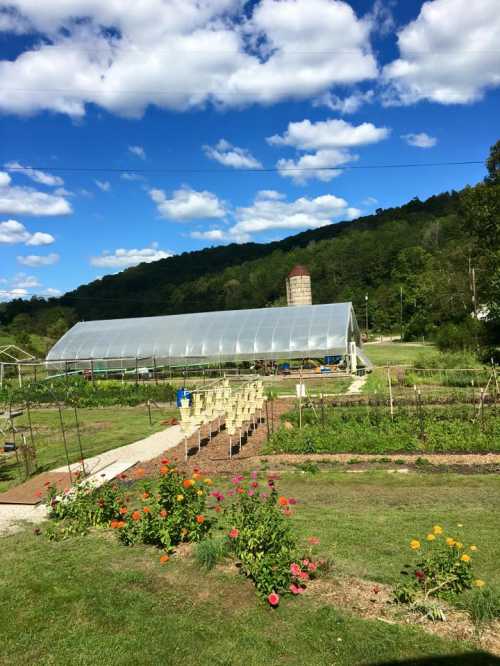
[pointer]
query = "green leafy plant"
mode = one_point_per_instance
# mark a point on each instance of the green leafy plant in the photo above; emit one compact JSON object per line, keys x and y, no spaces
{"x":443,"y":566}
{"x":211,"y":551}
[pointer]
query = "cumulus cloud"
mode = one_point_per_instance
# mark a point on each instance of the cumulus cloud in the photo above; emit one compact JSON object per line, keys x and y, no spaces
{"x":448,"y":54}
{"x":330,"y":141}
{"x":23,"y":281}
{"x":420,"y":140}
{"x":232,"y":156}
{"x":186,"y":204}
{"x":10,"y":294}
{"x":345,"y":105}
{"x":35,"y":174}
{"x":38,"y":260}
{"x":118,"y":55}
{"x":103,"y":185}
{"x":270,"y":210}
{"x":138,"y":151}
{"x":122,"y":258}
{"x":13,"y":232}
{"x":16,"y":200}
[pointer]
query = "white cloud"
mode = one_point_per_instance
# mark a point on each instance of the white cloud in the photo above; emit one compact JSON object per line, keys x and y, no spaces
{"x":187,"y":204}
{"x":448,"y":54}
{"x":270,"y":210}
{"x":38,"y":260}
{"x":420,"y":140}
{"x":318,"y":165}
{"x":122,"y":258}
{"x":131,"y":176}
{"x":138,"y":151}
{"x":10,"y":294}
{"x":330,"y":140}
{"x":120,"y":57}
{"x":12,"y":232}
{"x":35,"y":174}
{"x":232,"y":156}
{"x":103,"y":185}
{"x":51,"y":292}
{"x":334,"y":133}
{"x":23,"y":281}
{"x":16,"y":200}
{"x":345,"y":105}
{"x":210,"y":234}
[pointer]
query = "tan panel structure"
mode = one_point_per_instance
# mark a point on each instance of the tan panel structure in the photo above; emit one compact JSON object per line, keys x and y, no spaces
{"x":298,"y":286}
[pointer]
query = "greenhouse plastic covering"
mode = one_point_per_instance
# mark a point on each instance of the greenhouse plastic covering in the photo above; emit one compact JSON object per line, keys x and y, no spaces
{"x":234,"y":335}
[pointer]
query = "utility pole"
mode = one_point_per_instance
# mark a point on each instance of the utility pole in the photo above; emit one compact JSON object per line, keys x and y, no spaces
{"x":366,"y":316}
{"x":401,"y":311}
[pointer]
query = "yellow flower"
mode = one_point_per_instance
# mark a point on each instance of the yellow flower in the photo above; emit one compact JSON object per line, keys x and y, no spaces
{"x":459,"y":525}
{"x":465,"y":558}
{"x":459,"y":545}
{"x":430,"y":537}
{"x":179,"y":498}
{"x":208,"y":481}
{"x":479,"y":583}
{"x":414,"y":544}
{"x":473,"y":548}
{"x":450,"y":541}
{"x":437,"y":529}
{"x":199,"y":493}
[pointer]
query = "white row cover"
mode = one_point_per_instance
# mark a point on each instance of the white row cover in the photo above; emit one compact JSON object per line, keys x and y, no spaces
{"x":233,"y":335}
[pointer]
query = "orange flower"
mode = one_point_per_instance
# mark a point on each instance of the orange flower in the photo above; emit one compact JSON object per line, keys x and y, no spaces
{"x":136,"y":515}
{"x":164,"y":559}
{"x":282,"y":501}
{"x":140,"y":471}
{"x":208,"y":481}
{"x":113,"y":524}
{"x":164,"y":470}
{"x":120,"y":524}
{"x":145,"y":495}
{"x":187,"y":483}
{"x":240,"y":491}
{"x":200,"y":520}
{"x":147,"y":509}
{"x":123,"y":510}
{"x":197,"y":476}
{"x":163,"y":513}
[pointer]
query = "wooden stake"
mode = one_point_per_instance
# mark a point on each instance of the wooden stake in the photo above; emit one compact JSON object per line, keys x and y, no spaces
{"x":390,"y":392}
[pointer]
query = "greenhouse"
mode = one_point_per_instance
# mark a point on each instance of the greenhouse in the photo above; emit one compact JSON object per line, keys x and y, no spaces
{"x":310,"y":331}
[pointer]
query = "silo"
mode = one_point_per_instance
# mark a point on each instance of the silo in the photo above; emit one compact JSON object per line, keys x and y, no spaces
{"x":298,"y":286}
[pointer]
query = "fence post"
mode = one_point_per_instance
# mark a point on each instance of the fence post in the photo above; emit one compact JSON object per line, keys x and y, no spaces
{"x":77,"y":424}
{"x":390,"y":392}
{"x":63,"y":432}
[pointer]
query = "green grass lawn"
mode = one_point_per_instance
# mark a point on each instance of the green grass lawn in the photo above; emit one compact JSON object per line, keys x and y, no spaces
{"x":101,"y":429}
{"x":394,"y":353}
{"x":314,"y":386}
{"x":91,"y":600}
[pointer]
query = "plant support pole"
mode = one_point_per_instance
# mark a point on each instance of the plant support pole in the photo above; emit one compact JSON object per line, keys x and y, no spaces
{"x":65,"y":442}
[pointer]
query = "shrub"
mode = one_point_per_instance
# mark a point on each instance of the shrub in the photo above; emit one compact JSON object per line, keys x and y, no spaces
{"x":210,"y":552}
{"x":442,"y":566}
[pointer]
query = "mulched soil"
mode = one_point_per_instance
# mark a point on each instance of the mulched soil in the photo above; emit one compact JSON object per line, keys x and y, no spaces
{"x":30,"y":492}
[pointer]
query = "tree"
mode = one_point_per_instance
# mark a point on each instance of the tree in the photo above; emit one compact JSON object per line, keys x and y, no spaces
{"x":493,"y":164}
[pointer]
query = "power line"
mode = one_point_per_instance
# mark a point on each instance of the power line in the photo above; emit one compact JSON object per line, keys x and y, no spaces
{"x":161,"y":171}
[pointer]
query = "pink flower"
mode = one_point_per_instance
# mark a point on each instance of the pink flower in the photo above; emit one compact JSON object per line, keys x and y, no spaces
{"x":312,"y":567}
{"x":304,"y":575}
{"x":313,"y":540}
{"x":295,"y":569}
{"x":294,"y":589}
{"x":305,"y":563}
{"x":250,"y":493}
{"x":237,"y":479}
{"x":273,"y":599}
{"x":253,"y":475}
{"x":254,"y":484}
{"x":234,"y":533}
{"x":230,"y":493}
{"x":292,"y":500}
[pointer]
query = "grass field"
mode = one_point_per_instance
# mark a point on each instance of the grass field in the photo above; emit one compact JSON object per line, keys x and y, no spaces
{"x":90,"y":600}
{"x":101,"y":429}
{"x":393,"y":353}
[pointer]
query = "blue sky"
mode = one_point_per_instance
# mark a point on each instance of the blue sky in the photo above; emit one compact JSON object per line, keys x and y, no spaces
{"x":200,"y":97}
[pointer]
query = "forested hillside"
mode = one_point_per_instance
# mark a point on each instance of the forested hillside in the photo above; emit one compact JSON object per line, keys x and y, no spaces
{"x":423,"y":252}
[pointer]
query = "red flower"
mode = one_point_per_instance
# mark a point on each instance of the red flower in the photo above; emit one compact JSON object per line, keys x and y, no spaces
{"x":273,"y":599}
{"x":200,"y":520}
{"x":165,"y":461}
{"x":282,"y":501}
{"x":254,"y":484}
{"x":376,"y":589}
{"x":163,"y":513}
{"x":240,"y":491}
{"x":234,"y":533}
{"x":123,"y":510}
{"x":46,"y":484}
{"x":147,"y":509}
{"x":136,"y":515}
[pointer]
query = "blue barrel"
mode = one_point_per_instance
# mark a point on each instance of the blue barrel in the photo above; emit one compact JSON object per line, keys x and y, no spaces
{"x":183,"y":393}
